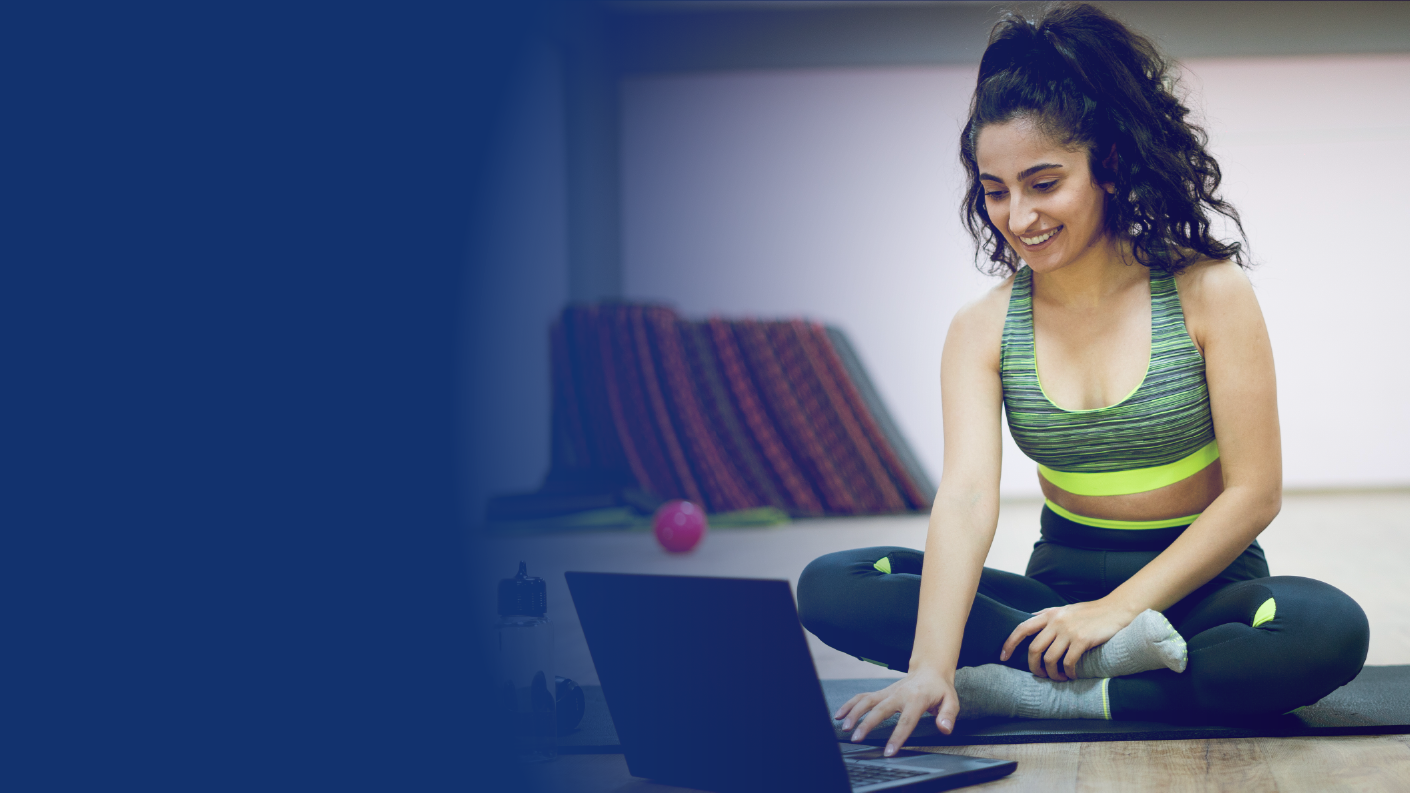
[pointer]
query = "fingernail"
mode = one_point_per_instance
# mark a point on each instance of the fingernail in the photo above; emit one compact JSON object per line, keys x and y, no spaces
{"x":847,"y":725}
{"x":890,"y":750}
{"x":945,"y":725}
{"x":855,"y":735}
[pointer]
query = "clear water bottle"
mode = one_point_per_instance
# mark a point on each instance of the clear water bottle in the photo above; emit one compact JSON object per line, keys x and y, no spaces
{"x":524,"y":680}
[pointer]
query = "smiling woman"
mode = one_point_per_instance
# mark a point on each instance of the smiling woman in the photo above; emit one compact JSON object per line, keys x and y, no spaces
{"x":1052,"y":212}
{"x":1154,"y":425}
{"x":1096,"y":89}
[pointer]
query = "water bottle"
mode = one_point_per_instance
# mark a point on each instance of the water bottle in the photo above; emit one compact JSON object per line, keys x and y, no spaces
{"x":524,"y":680}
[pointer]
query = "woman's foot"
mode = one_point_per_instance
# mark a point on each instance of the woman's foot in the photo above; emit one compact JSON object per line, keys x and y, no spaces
{"x":998,"y":690}
{"x":1149,"y":642}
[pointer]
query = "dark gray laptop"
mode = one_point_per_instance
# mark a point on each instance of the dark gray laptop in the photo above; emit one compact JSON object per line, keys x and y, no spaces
{"x":711,"y":686}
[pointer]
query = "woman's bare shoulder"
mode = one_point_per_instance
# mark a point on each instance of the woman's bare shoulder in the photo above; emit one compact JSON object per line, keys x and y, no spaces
{"x":979,"y":324}
{"x":1215,"y":291}
{"x":990,"y":307}
{"x":1212,"y":275}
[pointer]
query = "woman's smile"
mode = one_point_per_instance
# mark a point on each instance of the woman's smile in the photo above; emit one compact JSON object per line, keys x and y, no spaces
{"x":1040,"y":240}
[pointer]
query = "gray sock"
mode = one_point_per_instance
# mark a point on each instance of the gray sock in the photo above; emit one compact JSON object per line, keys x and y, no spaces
{"x":1149,"y":642}
{"x":998,"y":690}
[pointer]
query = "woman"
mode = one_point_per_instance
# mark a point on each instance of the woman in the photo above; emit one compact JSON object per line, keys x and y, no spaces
{"x":1154,"y":424}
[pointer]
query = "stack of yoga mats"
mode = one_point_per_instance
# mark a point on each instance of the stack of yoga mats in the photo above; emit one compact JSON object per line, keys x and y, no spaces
{"x":733,"y":415}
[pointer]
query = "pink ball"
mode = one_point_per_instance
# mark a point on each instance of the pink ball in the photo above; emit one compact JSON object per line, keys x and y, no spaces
{"x":679,"y":525}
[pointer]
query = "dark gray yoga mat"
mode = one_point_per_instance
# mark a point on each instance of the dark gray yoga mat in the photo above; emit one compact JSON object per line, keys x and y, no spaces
{"x":1377,"y":702}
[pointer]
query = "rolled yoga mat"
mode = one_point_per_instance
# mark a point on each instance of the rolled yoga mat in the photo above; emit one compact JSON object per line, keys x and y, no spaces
{"x":1377,"y":702}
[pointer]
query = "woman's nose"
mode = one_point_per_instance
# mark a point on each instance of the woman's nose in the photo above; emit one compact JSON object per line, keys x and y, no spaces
{"x":1022,"y":214}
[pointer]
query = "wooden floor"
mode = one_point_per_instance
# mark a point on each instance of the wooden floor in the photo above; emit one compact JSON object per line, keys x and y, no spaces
{"x":1358,"y":542}
{"x":1257,"y":765}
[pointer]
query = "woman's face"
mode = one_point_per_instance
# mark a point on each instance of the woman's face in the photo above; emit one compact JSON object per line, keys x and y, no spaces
{"x":1041,"y":196}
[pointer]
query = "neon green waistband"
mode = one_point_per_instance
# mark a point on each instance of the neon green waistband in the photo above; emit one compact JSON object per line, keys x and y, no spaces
{"x":1103,"y":523}
{"x":1139,"y":480}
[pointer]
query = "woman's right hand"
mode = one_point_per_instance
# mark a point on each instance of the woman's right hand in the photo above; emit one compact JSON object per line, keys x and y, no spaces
{"x":912,"y":696}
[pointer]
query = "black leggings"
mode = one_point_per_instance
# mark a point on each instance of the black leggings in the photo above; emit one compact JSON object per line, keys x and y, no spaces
{"x":1315,"y":641}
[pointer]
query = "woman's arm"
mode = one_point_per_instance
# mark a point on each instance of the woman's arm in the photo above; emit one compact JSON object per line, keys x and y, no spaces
{"x":966,"y":509}
{"x":1243,"y":397}
{"x":962,"y":523}
{"x":1223,"y":316}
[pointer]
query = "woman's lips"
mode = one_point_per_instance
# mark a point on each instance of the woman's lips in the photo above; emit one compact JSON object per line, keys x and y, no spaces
{"x":1051,"y":235}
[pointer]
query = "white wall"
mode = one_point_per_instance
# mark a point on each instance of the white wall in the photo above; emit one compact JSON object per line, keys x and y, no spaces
{"x":833,"y":194}
{"x":516,"y":286}
{"x":1311,"y":149}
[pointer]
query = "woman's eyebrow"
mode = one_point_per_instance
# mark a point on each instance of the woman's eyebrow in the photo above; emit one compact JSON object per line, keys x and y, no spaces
{"x":1024,"y":174}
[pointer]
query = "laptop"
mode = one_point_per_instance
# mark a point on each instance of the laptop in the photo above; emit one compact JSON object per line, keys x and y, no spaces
{"x":710,"y":685}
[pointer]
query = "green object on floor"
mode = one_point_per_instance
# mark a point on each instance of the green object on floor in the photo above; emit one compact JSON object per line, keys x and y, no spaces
{"x":626,"y":518}
{"x":744,"y":518}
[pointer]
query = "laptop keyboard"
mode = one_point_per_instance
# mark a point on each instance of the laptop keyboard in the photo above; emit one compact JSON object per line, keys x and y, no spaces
{"x":862,"y":775}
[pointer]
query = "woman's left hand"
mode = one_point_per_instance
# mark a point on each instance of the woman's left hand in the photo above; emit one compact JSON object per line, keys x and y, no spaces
{"x":1064,"y":634}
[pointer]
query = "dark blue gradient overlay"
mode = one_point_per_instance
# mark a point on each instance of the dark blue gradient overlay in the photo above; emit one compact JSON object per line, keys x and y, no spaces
{"x":235,"y":262}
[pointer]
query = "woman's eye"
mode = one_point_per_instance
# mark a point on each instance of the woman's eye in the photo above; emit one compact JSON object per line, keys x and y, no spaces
{"x":995,"y":193}
{"x":1045,"y":185}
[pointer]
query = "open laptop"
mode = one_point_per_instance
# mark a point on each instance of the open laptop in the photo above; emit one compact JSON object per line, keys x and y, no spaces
{"x":711,"y":686}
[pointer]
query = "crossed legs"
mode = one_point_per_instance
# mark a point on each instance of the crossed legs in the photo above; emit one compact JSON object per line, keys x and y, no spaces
{"x":1255,"y":647}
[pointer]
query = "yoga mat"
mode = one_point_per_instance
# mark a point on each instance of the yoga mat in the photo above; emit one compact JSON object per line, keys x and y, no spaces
{"x":853,"y":364}
{"x":1377,"y":702}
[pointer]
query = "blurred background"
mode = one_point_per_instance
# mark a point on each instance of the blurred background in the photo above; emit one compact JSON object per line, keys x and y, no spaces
{"x":798,"y":159}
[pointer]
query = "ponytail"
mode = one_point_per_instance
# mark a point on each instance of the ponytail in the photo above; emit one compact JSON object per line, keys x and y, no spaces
{"x":1088,"y":81}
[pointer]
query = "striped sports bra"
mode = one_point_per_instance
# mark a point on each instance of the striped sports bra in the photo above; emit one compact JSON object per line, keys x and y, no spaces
{"x":1159,"y":434}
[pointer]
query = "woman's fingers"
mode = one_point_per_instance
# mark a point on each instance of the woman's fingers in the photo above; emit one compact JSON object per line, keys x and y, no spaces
{"x":910,"y":715}
{"x":849,"y":704}
{"x":947,"y":712}
{"x":1075,"y":651}
{"x":1025,"y":629}
{"x":853,"y":709}
{"x":879,"y":713}
{"x":912,"y":697}
{"x":857,"y":707}
{"x":1037,"y":648}
{"x":1052,"y":659}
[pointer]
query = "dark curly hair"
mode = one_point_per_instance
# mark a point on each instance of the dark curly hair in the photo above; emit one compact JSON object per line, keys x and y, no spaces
{"x":1088,"y":81}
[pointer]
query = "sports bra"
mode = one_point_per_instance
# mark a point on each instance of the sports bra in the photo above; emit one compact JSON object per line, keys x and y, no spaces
{"x":1159,"y":434}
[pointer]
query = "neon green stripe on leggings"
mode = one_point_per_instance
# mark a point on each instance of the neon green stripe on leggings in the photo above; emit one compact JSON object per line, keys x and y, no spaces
{"x":883,"y":564}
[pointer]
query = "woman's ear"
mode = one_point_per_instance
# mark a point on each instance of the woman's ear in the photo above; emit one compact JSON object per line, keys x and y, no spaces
{"x":1109,"y":165}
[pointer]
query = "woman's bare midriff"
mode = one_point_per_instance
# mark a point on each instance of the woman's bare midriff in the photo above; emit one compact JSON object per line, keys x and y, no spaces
{"x":1189,"y":496}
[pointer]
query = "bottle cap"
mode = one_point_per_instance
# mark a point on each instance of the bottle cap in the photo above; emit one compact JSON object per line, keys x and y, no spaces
{"x":523,"y":595}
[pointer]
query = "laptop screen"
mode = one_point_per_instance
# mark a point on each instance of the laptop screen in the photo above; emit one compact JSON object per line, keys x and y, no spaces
{"x":709,"y":681}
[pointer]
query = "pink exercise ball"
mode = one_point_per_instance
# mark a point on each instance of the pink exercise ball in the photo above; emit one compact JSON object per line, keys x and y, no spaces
{"x":679,"y":525}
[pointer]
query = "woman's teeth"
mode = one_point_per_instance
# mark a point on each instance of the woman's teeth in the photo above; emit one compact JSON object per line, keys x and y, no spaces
{"x":1039,"y":240}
